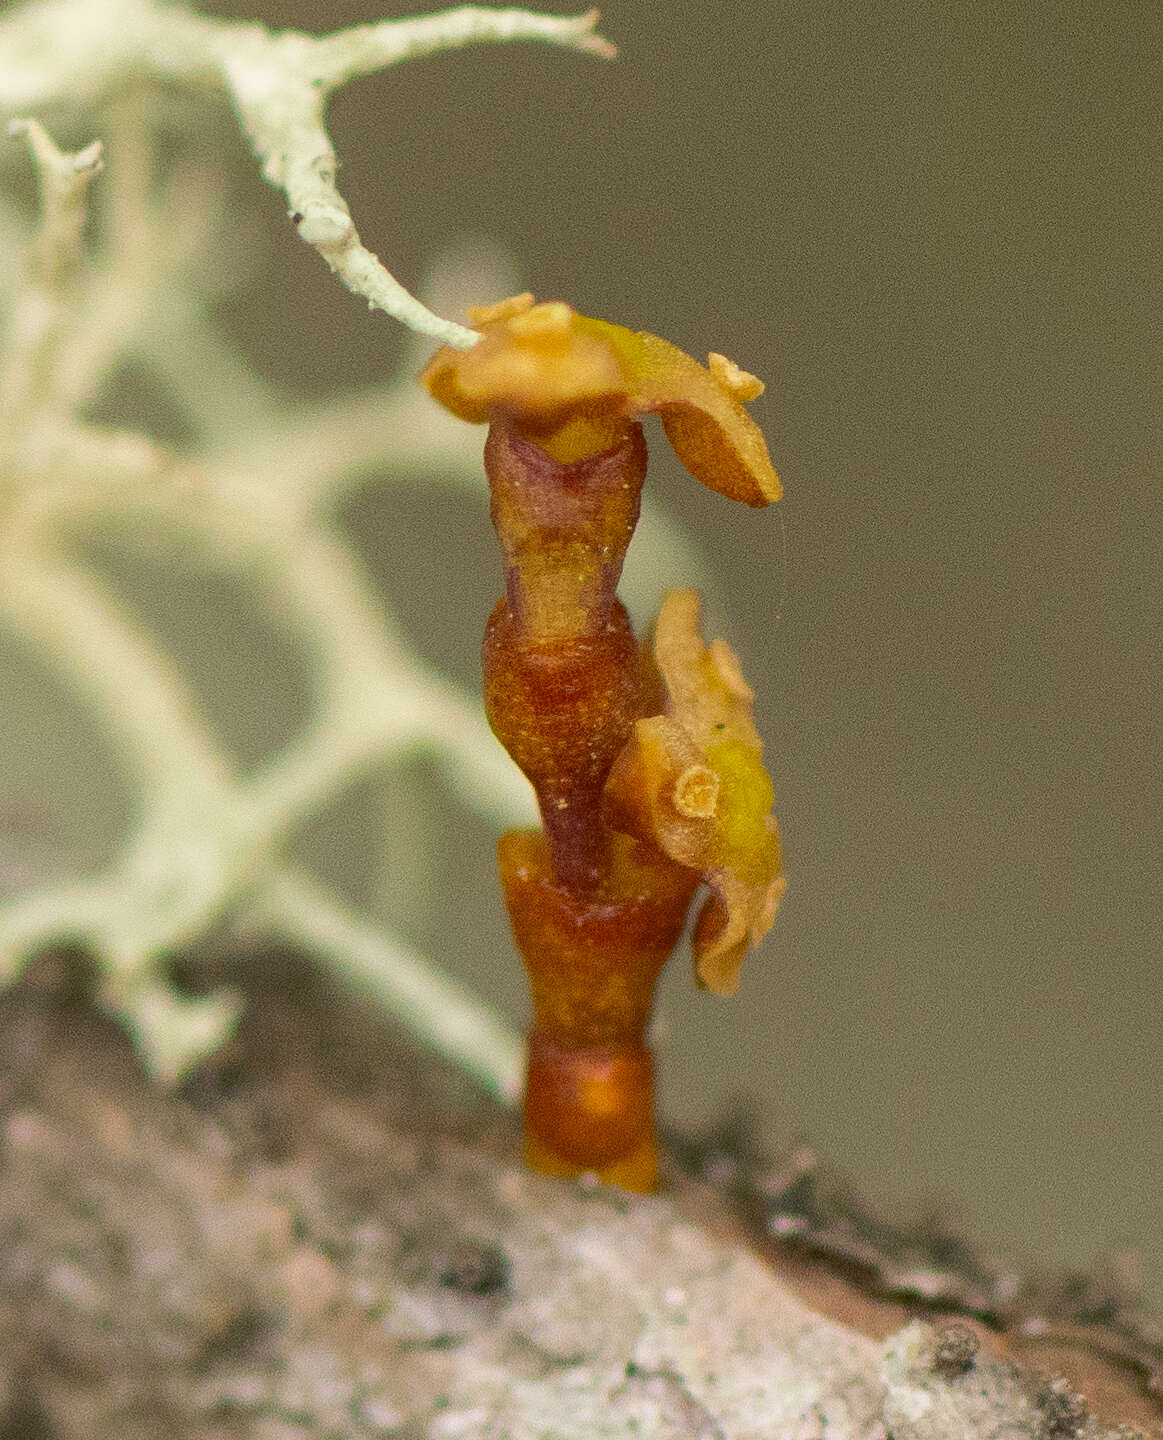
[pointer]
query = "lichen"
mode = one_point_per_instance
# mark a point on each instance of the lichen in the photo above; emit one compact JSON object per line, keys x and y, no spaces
{"x":256,"y":491}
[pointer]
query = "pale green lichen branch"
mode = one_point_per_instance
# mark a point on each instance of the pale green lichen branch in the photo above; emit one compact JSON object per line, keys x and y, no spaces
{"x":206,"y":838}
{"x":364,"y":49}
{"x":279,"y":84}
{"x":34,"y":328}
{"x":435,"y":1008}
{"x":68,"y":617}
{"x":206,"y":842}
{"x":255,"y":495}
{"x":152,"y":237}
{"x":64,"y":179}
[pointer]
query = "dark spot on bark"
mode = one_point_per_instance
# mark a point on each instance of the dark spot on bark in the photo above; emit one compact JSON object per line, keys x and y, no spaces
{"x":243,"y":1337}
{"x":1063,"y":1411}
{"x":444,"y":1340}
{"x":955,"y":1349}
{"x":474,"y":1267}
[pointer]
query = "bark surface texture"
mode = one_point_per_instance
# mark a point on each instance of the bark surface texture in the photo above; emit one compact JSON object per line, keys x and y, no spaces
{"x":328,"y":1235}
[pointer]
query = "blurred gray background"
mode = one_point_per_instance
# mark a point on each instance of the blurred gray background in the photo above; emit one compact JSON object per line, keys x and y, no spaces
{"x":934,"y":232}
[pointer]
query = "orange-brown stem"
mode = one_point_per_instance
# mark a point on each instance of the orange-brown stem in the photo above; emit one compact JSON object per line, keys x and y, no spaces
{"x":563,"y":711}
{"x":563,"y":528}
{"x":595,"y":915}
{"x":560,"y":660}
{"x":593,"y":961}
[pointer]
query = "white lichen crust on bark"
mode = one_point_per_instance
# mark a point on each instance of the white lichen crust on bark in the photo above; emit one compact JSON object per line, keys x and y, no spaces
{"x":256,"y":491}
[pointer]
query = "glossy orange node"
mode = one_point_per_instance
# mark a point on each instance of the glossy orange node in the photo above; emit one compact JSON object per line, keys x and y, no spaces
{"x":591,"y":1111}
{"x":573,"y":384}
{"x":691,"y":782}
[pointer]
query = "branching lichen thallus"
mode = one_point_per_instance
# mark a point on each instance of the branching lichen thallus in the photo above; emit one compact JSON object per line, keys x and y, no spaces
{"x":644,"y":758}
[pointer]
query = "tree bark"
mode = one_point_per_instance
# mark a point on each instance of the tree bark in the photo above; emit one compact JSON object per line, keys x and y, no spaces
{"x":328,"y":1234}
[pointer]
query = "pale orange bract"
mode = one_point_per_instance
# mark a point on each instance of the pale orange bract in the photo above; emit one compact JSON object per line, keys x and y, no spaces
{"x":573,"y":384}
{"x":691,"y":782}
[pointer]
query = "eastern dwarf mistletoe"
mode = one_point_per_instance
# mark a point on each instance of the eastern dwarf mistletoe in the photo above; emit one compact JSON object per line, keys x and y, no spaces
{"x":643,"y":753}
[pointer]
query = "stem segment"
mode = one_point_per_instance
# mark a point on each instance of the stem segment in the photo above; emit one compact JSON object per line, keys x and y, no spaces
{"x":595,"y":915}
